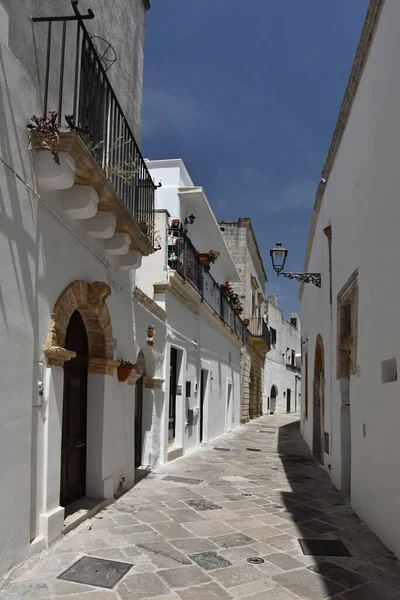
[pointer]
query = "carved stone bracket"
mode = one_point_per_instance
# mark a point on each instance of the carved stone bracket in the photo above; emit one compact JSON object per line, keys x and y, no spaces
{"x":134,"y":377}
{"x":153,"y":383}
{"x":57,"y":356}
{"x":102,"y":366}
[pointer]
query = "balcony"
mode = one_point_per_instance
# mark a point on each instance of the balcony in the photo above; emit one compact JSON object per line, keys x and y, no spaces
{"x":184,"y":259}
{"x":260,"y":336}
{"x":94,"y":145}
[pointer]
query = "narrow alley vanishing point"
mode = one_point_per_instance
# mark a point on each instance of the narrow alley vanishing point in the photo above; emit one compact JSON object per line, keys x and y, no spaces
{"x":187,"y":531}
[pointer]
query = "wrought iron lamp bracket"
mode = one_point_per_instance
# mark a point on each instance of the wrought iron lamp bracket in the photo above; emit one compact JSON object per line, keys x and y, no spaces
{"x":314,"y":278}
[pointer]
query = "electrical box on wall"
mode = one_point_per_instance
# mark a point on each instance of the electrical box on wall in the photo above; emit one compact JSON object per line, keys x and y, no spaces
{"x":190,"y":417}
{"x":196,"y":387}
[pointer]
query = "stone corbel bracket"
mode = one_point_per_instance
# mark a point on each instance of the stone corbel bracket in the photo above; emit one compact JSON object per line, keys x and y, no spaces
{"x":102,"y":366}
{"x":153,"y":383}
{"x":57,"y":356}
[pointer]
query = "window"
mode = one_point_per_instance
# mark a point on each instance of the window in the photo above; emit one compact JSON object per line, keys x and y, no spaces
{"x":293,"y":321}
{"x":293,"y":358}
{"x":273,"y":336}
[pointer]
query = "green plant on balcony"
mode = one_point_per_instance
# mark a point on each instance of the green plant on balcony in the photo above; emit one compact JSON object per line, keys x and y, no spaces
{"x":49,"y":129}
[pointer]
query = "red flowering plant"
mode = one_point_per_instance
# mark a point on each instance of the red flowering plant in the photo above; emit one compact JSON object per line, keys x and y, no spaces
{"x":175,"y":223}
{"x":213,"y":255}
{"x":48,"y":128}
{"x":226,"y":288}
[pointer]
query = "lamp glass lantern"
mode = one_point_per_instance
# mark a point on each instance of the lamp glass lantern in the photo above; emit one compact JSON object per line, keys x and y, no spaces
{"x":278,"y":256}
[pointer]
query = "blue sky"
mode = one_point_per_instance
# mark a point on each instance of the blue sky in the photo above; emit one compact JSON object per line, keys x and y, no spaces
{"x":247,"y":93}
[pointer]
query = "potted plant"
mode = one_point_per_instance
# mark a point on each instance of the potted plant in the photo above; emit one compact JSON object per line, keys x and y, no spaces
{"x":238,"y":309}
{"x":203,"y":258}
{"x":49,"y":130}
{"x":175,"y":227}
{"x":226,"y":289}
{"x":213,"y":255}
{"x":124,"y":370}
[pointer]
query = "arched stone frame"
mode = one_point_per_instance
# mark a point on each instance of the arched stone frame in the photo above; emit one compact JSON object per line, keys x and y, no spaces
{"x":90,"y":300}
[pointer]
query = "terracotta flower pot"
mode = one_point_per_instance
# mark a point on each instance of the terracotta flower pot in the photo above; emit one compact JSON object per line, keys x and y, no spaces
{"x":203,"y":257}
{"x":238,"y":311}
{"x":124,"y":371}
{"x":225,"y":292}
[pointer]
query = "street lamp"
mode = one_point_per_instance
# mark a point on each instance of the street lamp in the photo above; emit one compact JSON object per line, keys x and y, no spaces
{"x":278,"y":256}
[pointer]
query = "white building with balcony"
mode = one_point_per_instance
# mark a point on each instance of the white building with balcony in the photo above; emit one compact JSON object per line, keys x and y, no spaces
{"x":282,"y":369}
{"x":77,"y":209}
{"x":204,"y":335}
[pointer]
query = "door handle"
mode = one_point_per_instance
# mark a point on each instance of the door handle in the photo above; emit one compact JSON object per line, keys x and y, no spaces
{"x":80,"y":445}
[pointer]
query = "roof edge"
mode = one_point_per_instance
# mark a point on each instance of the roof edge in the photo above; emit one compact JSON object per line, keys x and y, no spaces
{"x":364,"y":46}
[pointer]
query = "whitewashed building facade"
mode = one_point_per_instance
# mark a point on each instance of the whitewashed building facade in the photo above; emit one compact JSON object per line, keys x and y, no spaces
{"x":350,"y":409}
{"x":77,"y":212}
{"x":204,"y":335}
{"x":282,"y":374}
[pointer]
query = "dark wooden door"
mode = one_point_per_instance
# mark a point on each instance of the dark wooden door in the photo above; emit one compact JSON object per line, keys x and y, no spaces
{"x":202,"y":394}
{"x":172,"y":394}
{"x":73,"y":443}
{"x":288,"y":400}
{"x":138,"y":422}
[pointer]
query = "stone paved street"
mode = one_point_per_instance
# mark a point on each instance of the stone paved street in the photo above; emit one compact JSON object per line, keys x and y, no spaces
{"x":189,"y":528}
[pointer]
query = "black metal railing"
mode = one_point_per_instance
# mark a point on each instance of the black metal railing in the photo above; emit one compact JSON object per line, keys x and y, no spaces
{"x":184,"y":258}
{"x":76,"y":84}
{"x":259,"y":328}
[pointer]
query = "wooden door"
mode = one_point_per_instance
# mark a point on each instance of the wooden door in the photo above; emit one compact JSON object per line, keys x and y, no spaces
{"x":202,"y":398}
{"x":73,"y":442}
{"x":288,"y":400}
{"x":138,"y":422}
{"x":172,"y":395}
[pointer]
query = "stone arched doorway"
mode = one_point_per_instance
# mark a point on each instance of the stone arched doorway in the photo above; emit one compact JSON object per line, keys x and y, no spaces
{"x":90,"y":301}
{"x":319,"y":400}
{"x":79,"y":340}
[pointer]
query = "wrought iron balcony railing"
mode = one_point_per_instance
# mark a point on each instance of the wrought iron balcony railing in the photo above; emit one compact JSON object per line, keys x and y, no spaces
{"x":258,"y":328}
{"x":77,"y":86}
{"x":183,"y":258}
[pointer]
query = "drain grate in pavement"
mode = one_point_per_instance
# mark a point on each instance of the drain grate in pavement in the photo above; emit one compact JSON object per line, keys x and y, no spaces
{"x":222,"y":449}
{"x":187,"y":480}
{"x":269,"y":432}
{"x":323,"y":547}
{"x":96,"y":571}
{"x":253,"y":449}
{"x":255,"y":560}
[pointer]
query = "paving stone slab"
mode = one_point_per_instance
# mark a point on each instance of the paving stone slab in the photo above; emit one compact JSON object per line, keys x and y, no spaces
{"x":209,"y":561}
{"x":203,"y":505}
{"x":344,"y":577}
{"x":371,"y":591}
{"x":145,"y":585}
{"x":184,"y":576}
{"x":233,"y":539}
{"x":238,"y":575}
{"x":307,"y":585}
{"x":207,"y":591}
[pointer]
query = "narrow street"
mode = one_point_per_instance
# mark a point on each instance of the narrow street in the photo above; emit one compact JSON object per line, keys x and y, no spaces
{"x":190,"y":526}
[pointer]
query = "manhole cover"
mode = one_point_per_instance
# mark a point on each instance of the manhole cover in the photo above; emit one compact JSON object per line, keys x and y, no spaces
{"x":187,"y":480}
{"x":253,"y":449}
{"x":320,"y":547}
{"x":222,"y":449}
{"x":255,"y":560}
{"x":96,"y":571}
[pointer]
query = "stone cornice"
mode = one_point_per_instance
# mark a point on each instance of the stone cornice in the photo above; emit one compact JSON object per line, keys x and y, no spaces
{"x":162,"y":288}
{"x":367,"y":36}
{"x":148,"y":303}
